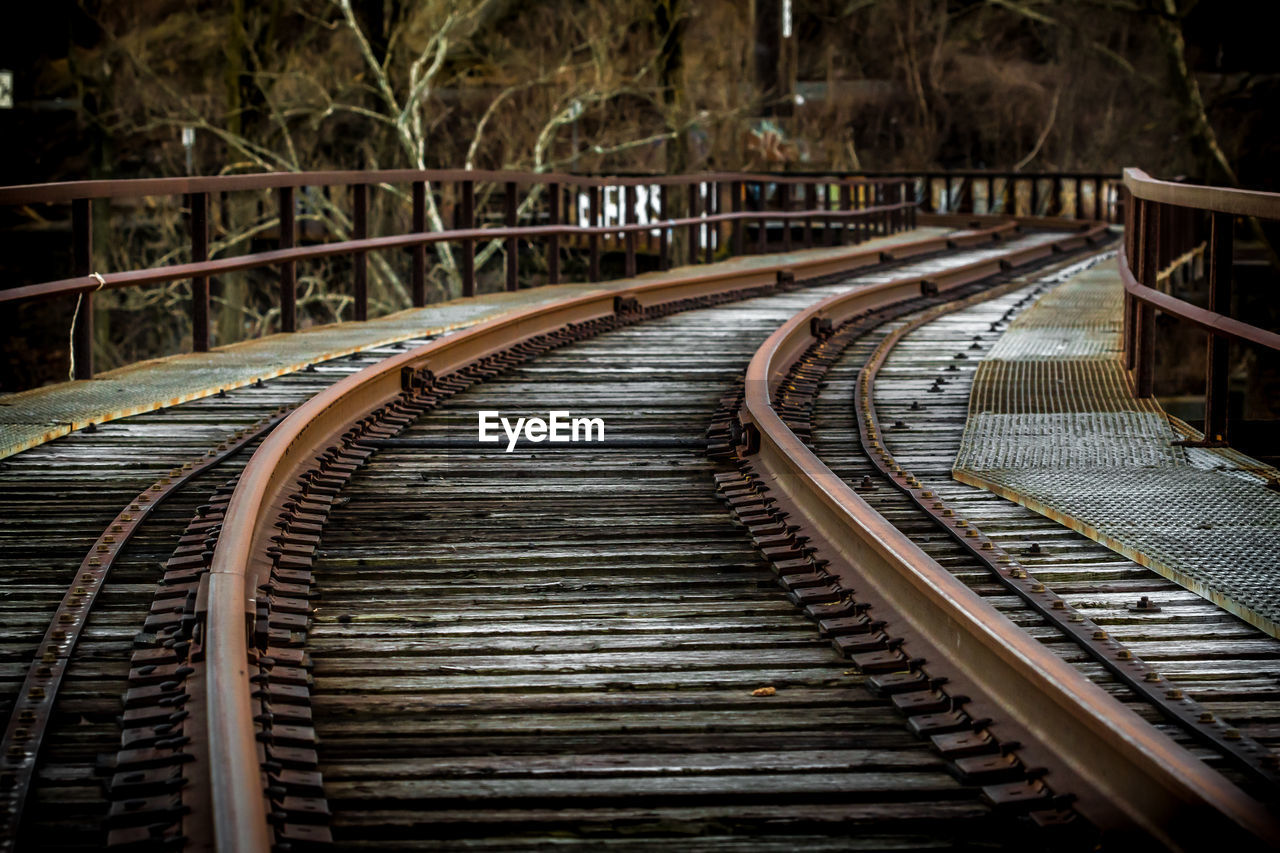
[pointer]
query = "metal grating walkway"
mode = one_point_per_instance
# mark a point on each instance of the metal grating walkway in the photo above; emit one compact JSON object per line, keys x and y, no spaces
{"x":1052,"y":425}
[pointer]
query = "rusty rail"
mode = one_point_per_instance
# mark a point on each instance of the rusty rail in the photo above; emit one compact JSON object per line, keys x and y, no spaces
{"x":1134,"y":775}
{"x":1124,"y":770}
{"x":1165,"y":224}
{"x":241,"y":562}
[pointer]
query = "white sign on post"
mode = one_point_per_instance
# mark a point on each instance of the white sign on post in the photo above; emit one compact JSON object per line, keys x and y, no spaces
{"x":6,"y":89}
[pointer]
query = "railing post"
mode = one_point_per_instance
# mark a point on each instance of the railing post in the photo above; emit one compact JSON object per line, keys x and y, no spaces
{"x":468,"y":223}
{"x":664,"y":238}
{"x":553,"y":244}
{"x":198,"y":203}
{"x":513,"y":245}
{"x":82,"y":265}
{"x":762,"y":223}
{"x":1129,"y":318}
{"x":419,"y":251}
{"x":629,"y":237}
{"x":693,"y":229}
{"x":1153,"y":249}
{"x":288,"y":269}
{"x":1219,"y":270}
{"x":360,"y":230}
{"x":842,"y":234}
{"x":1035,"y":196}
{"x":810,"y":202}
{"x":593,"y":241}
{"x":735,"y":205}
{"x":784,"y":202}
{"x":1057,"y":196}
{"x":711,"y":229}
{"x":991,"y":191}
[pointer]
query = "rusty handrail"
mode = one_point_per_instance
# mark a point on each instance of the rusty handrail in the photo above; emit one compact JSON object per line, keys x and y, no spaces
{"x":1211,"y":321}
{"x":1165,"y":222}
{"x":274,"y":257}
{"x":574,"y":206}
{"x":56,"y":193}
{"x":1129,"y":768}
{"x":1217,"y":199}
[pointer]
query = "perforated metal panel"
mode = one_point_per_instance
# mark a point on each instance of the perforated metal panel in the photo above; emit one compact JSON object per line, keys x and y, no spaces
{"x":1052,"y":426}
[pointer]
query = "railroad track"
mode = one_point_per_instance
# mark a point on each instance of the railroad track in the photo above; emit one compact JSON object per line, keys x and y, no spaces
{"x":446,"y":641}
{"x":71,"y":546}
{"x":1194,"y":670}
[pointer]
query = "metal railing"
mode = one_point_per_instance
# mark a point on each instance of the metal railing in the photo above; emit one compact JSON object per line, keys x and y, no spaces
{"x":596,"y":213}
{"x":1095,"y":196}
{"x":1169,"y":228}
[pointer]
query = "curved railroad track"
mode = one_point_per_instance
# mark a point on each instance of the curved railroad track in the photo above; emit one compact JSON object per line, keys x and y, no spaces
{"x":380,"y":632}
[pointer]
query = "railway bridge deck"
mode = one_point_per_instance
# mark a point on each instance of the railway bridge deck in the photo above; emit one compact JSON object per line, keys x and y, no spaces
{"x":885,"y":544}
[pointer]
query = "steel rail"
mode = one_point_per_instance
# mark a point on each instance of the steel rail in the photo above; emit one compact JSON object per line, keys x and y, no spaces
{"x":1210,"y":321}
{"x":1127,"y":772}
{"x":1005,"y":567}
{"x":240,"y":563}
{"x":274,"y":257}
{"x":34,"y":706}
{"x":55,"y":193}
{"x":1218,"y":199}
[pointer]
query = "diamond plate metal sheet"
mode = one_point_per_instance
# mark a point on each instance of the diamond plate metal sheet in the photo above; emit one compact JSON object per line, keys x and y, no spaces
{"x":1052,"y":426}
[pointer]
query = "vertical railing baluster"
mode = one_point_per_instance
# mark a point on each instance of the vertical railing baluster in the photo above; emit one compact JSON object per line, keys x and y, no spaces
{"x":198,"y":204}
{"x":738,"y":229}
{"x":710,"y":230}
{"x":784,"y":202}
{"x":693,"y":190}
{"x":419,"y":250}
{"x":1135,"y":214}
{"x":360,"y":261}
{"x":762,"y":223}
{"x":513,"y":245}
{"x":1153,"y":250}
{"x":82,"y":265}
{"x":288,"y":269}
{"x":1221,"y":246}
{"x":664,"y":237}
{"x":593,"y":240}
{"x":810,"y":202}
{"x":554,"y":219}
{"x":629,"y":238}
{"x":846,"y":204}
{"x":467,"y":222}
